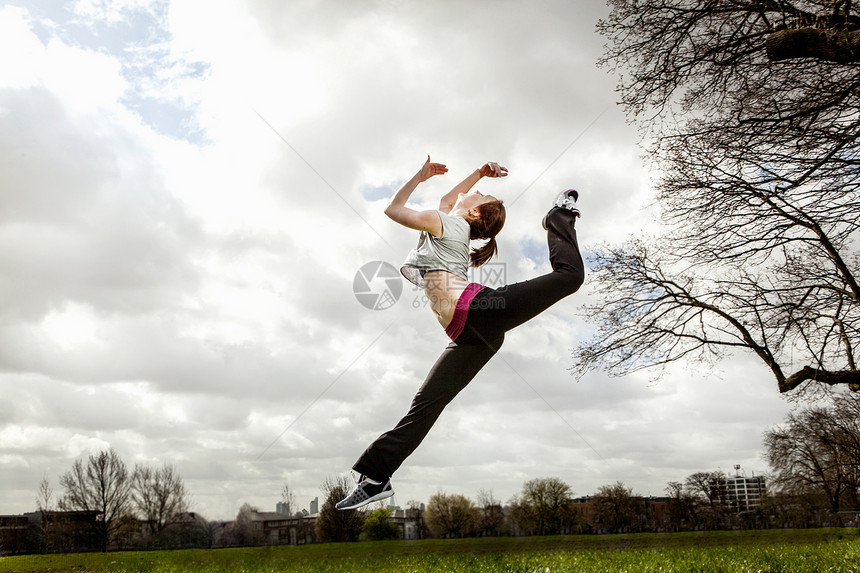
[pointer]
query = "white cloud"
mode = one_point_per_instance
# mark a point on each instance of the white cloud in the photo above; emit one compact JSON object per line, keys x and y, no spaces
{"x":16,"y":38}
{"x":70,"y":327}
{"x":85,"y":79}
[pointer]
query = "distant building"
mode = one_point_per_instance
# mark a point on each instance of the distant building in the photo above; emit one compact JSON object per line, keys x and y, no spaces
{"x":48,"y":531}
{"x":741,"y":493}
{"x":16,"y":535}
{"x":279,"y":529}
{"x":283,"y":508}
{"x":315,"y":506}
{"x":409,"y":521}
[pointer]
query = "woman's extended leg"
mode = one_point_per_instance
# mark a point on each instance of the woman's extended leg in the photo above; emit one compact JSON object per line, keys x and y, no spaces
{"x":495,"y":311}
{"x":455,"y":368}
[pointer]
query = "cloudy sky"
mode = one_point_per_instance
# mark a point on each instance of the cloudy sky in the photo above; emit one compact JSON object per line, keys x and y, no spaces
{"x":189,"y":188}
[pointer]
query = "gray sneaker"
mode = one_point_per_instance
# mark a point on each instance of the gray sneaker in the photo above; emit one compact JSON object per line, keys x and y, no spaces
{"x":364,"y":492}
{"x":564,"y":200}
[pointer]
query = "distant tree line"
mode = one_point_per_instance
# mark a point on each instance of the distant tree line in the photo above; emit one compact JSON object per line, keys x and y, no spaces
{"x":814,"y":480}
{"x":106,"y":505}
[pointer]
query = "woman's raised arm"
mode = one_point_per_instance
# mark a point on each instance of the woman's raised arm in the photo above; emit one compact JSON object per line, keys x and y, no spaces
{"x":420,"y":220}
{"x":489,"y":169}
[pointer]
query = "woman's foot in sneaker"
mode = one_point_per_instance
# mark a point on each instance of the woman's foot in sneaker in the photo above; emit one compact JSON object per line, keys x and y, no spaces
{"x":365,"y":491}
{"x":564,"y":200}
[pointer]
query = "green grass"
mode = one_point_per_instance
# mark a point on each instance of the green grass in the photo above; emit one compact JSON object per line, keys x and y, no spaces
{"x":788,"y":551}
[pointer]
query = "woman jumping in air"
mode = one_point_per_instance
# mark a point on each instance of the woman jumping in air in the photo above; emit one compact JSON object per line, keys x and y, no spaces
{"x":473,"y":316}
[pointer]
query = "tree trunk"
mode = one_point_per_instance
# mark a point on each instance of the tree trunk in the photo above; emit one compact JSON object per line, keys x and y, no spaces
{"x":841,"y":46}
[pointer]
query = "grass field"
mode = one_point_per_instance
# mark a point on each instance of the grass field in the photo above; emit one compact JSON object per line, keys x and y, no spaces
{"x":789,"y":551}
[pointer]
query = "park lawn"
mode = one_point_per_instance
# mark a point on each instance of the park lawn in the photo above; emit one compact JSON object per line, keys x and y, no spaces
{"x":789,"y":551}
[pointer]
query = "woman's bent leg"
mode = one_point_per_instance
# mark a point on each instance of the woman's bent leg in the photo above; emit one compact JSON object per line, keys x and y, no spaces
{"x":499,"y":310}
{"x":454,"y":369}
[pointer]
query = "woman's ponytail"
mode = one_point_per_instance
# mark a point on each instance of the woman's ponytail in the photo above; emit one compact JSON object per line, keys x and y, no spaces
{"x":486,"y":226}
{"x":483,"y":254}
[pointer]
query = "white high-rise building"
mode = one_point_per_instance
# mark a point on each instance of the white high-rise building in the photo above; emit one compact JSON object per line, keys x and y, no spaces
{"x":742,"y":493}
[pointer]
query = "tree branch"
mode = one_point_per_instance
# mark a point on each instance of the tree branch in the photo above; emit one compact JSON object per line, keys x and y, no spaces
{"x":840,"y":46}
{"x":849,"y":377}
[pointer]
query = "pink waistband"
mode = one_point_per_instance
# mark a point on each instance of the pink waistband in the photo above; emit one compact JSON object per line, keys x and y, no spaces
{"x":458,"y":321}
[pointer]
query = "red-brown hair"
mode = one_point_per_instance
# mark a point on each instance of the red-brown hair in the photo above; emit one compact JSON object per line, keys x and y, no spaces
{"x":486,"y":226}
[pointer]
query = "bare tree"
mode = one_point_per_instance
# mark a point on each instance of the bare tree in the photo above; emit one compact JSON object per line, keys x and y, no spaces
{"x":415,"y":511}
{"x":492,"y":513}
{"x":101,"y":484}
{"x":44,"y":504}
{"x":707,"y":487}
{"x":451,"y":515}
{"x":616,"y":509}
{"x":707,"y":491}
{"x":543,"y":506}
{"x":759,"y":195}
{"x":159,"y":496}
{"x":242,"y":530}
{"x":289,"y":498}
{"x":682,"y":506}
{"x":44,"y":495}
{"x":816,"y":450}
{"x":845,"y":416}
{"x":335,"y":525}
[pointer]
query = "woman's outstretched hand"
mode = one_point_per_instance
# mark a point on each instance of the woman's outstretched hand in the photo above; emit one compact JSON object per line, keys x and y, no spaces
{"x":429,"y":169}
{"x":493,"y":169}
